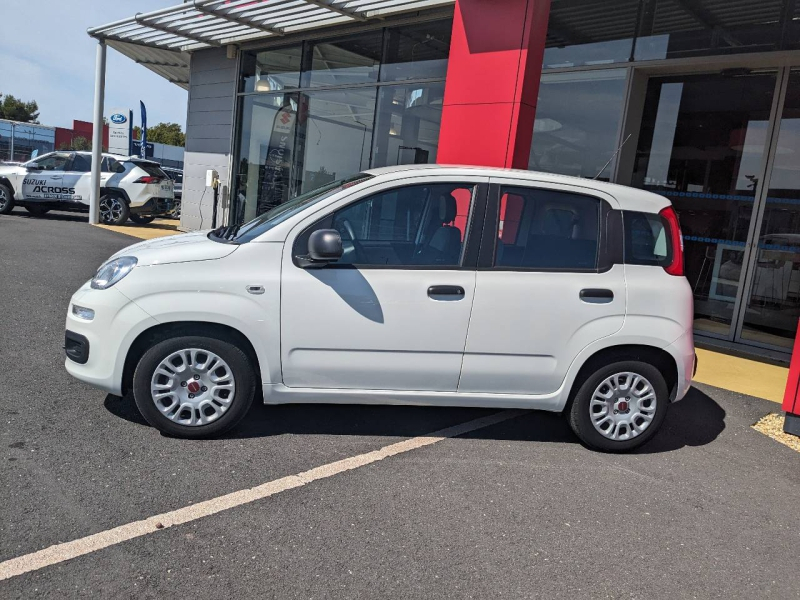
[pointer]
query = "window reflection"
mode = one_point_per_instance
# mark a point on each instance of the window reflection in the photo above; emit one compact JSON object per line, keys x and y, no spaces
{"x":417,"y":52}
{"x":407,"y":124}
{"x":578,"y":115}
{"x":677,"y":28}
{"x":345,"y":61}
{"x":592,"y":32}
{"x":271,"y":70}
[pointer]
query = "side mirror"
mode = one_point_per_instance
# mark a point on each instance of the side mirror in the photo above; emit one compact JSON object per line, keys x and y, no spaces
{"x":324,"y":246}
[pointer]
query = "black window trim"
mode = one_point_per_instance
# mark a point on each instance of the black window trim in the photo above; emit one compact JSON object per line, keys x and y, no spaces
{"x":609,"y":241}
{"x":473,"y":236}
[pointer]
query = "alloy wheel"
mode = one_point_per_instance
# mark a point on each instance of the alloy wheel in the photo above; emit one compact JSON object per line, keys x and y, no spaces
{"x":623,"y":406}
{"x":3,"y":198}
{"x":193,"y":387}
{"x":110,"y":209}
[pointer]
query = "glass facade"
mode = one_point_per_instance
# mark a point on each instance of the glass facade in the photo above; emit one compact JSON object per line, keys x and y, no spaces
{"x":18,"y":141}
{"x":326,"y":109}
{"x":568,"y":138}
{"x":704,"y":137}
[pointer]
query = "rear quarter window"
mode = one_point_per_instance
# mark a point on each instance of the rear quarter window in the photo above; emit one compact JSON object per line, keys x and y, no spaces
{"x":647,"y":239}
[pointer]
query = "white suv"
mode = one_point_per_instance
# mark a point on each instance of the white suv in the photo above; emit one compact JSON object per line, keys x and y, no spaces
{"x":129,"y":187}
{"x":446,"y":286}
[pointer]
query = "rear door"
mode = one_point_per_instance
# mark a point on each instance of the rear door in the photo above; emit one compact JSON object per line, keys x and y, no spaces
{"x":546,"y":286}
{"x":393,"y":313}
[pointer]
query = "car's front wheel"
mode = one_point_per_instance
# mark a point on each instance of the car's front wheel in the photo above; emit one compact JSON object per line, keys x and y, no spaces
{"x":140,"y":220}
{"x":194,"y":386}
{"x":6,"y":200}
{"x":620,"y":406}
{"x":113,"y":210}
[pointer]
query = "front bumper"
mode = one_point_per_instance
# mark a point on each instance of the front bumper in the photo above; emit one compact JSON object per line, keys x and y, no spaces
{"x":106,"y":339}
{"x":155,"y":207}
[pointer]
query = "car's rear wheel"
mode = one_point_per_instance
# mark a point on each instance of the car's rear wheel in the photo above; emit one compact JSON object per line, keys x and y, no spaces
{"x":6,"y":200}
{"x":113,"y":210}
{"x":194,"y":386}
{"x":37,"y":211}
{"x":176,"y":212}
{"x":620,"y":406}
{"x":140,"y":220}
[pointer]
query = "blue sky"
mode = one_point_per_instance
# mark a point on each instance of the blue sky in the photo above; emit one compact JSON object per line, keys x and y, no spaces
{"x":46,"y":55}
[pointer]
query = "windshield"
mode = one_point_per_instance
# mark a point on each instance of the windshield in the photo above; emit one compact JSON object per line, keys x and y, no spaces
{"x":241,"y":234}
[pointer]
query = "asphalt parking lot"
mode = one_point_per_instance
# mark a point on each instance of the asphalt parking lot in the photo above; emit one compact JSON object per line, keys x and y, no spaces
{"x":518,"y":509}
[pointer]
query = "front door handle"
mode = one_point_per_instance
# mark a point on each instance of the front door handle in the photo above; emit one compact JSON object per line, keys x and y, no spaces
{"x":596,"y":295}
{"x":446,"y":290}
{"x":55,"y":177}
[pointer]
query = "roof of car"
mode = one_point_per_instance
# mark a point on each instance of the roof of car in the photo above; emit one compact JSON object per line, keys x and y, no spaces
{"x":629,"y":198}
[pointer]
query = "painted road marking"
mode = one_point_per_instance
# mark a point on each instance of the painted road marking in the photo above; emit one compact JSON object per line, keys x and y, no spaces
{"x":92,"y":543}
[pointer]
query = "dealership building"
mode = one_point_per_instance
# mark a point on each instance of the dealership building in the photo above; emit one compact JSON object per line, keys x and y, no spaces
{"x":697,"y":100}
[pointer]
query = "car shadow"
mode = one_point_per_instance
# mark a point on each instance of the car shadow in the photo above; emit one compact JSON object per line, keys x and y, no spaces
{"x":51,"y":215}
{"x":696,"y":420}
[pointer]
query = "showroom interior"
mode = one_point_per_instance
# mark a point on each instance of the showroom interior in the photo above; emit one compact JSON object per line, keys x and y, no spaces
{"x":697,"y":100}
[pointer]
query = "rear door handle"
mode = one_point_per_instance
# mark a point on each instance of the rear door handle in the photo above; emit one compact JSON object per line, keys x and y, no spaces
{"x":55,"y":177}
{"x":446,"y":290}
{"x":596,"y":295}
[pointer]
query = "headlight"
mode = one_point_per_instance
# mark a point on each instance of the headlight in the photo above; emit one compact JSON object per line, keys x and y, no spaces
{"x":111,"y":272}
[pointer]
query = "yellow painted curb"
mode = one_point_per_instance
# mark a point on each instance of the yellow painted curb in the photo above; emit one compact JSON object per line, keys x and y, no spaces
{"x":741,"y":375}
{"x":156,"y":229}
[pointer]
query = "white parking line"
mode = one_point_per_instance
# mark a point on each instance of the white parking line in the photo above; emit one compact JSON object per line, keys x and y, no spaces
{"x":92,"y":543}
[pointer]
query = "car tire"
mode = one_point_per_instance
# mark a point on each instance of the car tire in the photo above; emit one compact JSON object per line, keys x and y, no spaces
{"x":140,"y":220}
{"x":593,"y":411}
{"x":166,"y":401}
{"x":6,"y":199}
{"x":37,"y":211}
{"x":114,"y":210}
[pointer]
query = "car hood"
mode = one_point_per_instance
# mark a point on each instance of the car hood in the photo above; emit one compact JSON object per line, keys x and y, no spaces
{"x":11,"y":170}
{"x":188,"y":247}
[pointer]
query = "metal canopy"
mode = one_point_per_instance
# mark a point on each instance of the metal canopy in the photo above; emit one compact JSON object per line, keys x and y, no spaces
{"x":160,"y":39}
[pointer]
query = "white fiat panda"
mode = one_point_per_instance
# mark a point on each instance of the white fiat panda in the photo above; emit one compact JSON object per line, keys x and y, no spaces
{"x":429,"y":285}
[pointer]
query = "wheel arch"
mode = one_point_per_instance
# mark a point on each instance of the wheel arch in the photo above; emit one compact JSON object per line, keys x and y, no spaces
{"x":653,"y":355}
{"x":7,"y":182}
{"x":157,"y":333}
{"x":116,"y":192}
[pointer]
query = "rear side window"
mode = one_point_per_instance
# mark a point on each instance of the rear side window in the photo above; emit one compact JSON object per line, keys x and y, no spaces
{"x":647,"y":239}
{"x":81,"y":163}
{"x":546,"y":229}
{"x":151,"y":169}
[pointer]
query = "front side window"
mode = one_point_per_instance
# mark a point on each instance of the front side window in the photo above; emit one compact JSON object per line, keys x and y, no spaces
{"x":415,"y":226}
{"x":50,"y":162}
{"x":546,"y":229}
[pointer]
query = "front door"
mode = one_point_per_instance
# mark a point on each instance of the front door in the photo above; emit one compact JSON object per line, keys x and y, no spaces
{"x":393,"y":313}
{"x":546,"y":287}
{"x":45,"y":180}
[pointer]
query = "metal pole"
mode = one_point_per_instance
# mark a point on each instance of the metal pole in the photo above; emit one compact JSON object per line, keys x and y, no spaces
{"x":97,"y":132}
{"x":11,"y":143}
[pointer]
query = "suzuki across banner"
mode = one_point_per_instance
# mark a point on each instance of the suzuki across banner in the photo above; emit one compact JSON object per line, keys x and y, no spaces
{"x":277,"y":163}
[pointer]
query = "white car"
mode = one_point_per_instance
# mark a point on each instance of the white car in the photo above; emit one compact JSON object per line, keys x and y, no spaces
{"x":445,"y":286}
{"x":129,"y":187}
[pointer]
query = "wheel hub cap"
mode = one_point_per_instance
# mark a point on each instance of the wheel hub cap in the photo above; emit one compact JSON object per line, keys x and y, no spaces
{"x":193,"y":387}
{"x":623,"y":406}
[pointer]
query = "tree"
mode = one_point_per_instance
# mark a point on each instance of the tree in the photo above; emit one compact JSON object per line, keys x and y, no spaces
{"x":77,"y":143}
{"x":137,"y":132}
{"x":166,"y":133}
{"x":15,"y":109}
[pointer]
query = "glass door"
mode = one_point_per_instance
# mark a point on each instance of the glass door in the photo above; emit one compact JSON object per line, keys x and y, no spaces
{"x":772,"y":306}
{"x":703,"y":144}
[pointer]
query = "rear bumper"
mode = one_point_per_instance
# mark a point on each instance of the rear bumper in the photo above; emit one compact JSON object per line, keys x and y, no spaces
{"x":155,"y":207}
{"x":682,"y":350}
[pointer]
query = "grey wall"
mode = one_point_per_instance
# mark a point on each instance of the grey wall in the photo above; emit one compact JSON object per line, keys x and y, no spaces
{"x":209,"y":135}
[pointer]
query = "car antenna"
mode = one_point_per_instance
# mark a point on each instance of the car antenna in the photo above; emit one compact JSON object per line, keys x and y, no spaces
{"x":612,"y":157}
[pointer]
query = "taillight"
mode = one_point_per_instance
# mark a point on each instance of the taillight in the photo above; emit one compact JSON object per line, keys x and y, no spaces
{"x":148,"y":179}
{"x":675,"y":266}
